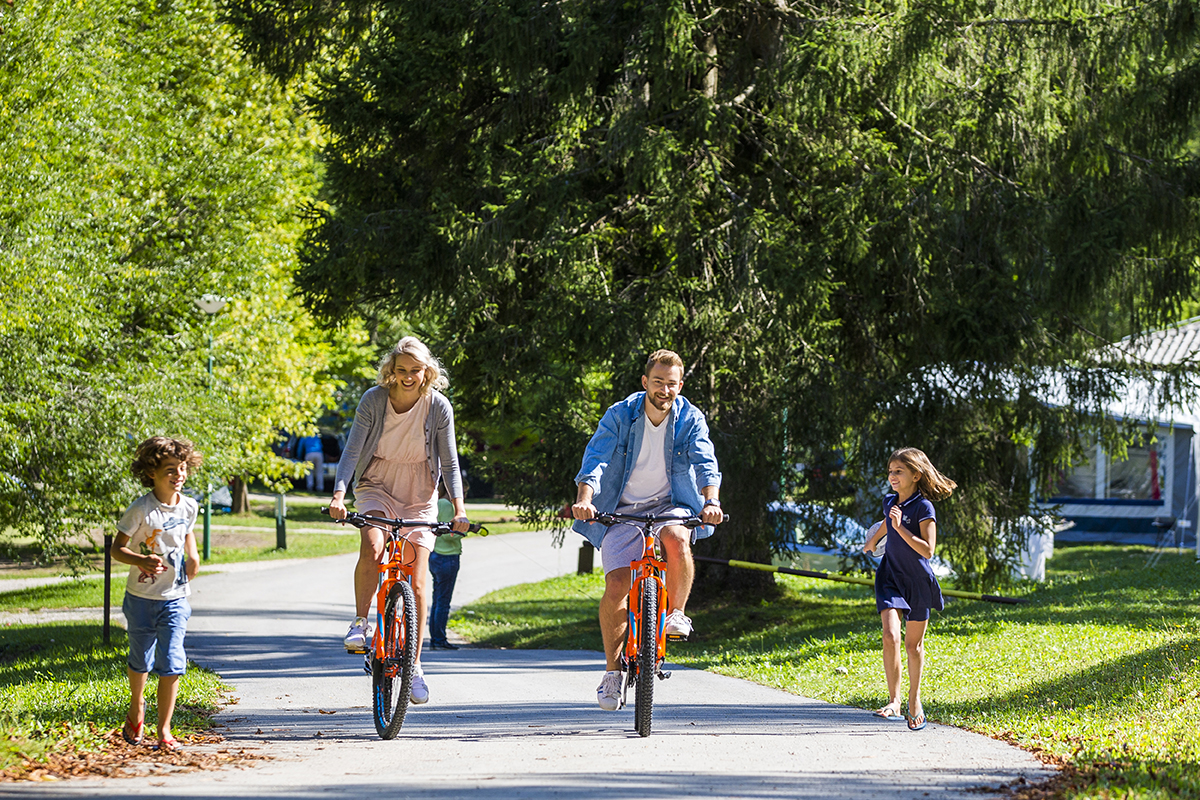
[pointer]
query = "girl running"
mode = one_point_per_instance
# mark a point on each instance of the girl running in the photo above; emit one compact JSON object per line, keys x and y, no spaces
{"x":904,"y":581}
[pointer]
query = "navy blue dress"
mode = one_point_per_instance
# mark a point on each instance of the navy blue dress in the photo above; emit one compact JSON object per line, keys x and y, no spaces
{"x":904,"y":580}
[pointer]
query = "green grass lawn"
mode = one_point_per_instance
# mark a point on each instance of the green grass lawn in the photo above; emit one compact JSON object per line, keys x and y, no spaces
{"x":62,"y":688}
{"x":1099,"y":670}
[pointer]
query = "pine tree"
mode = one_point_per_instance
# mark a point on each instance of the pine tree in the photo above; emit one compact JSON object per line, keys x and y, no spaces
{"x":862,"y":224}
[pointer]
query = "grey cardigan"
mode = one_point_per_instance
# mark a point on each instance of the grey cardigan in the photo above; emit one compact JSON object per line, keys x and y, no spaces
{"x":441,"y":452}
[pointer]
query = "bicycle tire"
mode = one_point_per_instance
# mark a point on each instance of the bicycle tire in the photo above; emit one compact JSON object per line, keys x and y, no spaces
{"x":647,"y":658}
{"x":391,"y":678}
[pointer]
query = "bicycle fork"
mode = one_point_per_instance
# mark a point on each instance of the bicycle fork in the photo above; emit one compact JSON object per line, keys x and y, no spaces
{"x":648,"y":570}
{"x":386,"y":582}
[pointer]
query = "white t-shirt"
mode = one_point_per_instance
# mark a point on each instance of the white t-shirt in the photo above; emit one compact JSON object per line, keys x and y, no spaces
{"x":649,"y":479}
{"x":154,"y":527}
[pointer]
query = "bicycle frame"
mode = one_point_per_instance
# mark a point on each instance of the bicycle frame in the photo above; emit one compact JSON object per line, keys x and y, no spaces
{"x":392,"y":570}
{"x":650,"y":567}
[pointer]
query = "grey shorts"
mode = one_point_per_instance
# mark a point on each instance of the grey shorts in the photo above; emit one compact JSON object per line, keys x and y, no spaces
{"x":623,"y":543}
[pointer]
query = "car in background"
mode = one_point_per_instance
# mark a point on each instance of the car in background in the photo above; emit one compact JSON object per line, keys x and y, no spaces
{"x":813,"y":537}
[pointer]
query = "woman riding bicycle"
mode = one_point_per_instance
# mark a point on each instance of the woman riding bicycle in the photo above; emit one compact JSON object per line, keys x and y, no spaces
{"x":400,"y":445}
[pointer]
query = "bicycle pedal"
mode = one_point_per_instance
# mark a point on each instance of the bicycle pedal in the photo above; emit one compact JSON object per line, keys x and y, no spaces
{"x":663,"y":675}
{"x":675,"y":637}
{"x":355,"y":652}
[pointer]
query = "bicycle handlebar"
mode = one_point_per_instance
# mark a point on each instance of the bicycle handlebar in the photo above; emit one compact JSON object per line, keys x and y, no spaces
{"x":609,"y":520}
{"x":438,"y":528}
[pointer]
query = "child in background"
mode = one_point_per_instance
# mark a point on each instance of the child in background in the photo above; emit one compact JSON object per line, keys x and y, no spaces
{"x":443,"y":568}
{"x":156,"y":538}
{"x":904,"y":581}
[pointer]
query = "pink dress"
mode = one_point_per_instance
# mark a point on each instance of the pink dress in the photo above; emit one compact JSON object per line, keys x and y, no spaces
{"x":397,"y":482}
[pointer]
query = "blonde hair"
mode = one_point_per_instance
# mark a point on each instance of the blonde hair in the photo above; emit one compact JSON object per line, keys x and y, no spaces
{"x":150,"y":454}
{"x":667,"y":357}
{"x":933,"y":484}
{"x":435,"y":375}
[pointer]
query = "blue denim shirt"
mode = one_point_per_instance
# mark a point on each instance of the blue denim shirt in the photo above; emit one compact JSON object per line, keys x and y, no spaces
{"x":691,"y":460}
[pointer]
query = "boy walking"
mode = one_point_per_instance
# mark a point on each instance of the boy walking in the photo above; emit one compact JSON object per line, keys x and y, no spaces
{"x":156,"y":538}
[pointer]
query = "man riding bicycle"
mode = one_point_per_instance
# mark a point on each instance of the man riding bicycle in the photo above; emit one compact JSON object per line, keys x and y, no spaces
{"x":650,"y":455}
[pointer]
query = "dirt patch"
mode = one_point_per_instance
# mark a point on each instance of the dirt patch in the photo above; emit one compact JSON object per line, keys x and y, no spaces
{"x":119,"y":759}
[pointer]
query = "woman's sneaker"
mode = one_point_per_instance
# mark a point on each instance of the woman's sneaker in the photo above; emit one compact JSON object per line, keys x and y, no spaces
{"x":608,"y":693}
{"x":420,"y":691}
{"x":356,"y":638}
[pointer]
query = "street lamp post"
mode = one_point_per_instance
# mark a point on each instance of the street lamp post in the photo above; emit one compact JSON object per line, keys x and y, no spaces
{"x":210,"y":304}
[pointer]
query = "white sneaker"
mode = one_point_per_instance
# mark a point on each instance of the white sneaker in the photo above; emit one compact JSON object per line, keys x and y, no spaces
{"x":678,"y":626}
{"x":420,"y":691}
{"x":608,"y":693}
{"x":356,"y":638}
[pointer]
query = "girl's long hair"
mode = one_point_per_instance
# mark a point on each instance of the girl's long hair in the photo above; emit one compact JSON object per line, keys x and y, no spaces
{"x":933,"y":484}
{"x":435,"y":373}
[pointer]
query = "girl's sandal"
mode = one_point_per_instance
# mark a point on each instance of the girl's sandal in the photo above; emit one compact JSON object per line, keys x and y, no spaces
{"x":890,"y":712}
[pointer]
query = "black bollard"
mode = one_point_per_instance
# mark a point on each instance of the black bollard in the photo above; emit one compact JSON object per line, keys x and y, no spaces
{"x":586,"y":552}
{"x":280,"y":522}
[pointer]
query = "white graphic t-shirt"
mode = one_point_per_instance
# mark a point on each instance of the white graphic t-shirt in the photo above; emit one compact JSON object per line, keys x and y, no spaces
{"x":157,"y":528}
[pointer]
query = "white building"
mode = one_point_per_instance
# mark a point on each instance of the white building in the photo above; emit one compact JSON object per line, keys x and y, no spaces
{"x":1135,"y":499}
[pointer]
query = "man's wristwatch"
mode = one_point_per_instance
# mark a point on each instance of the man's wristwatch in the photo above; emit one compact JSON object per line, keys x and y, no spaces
{"x":712,"y":501}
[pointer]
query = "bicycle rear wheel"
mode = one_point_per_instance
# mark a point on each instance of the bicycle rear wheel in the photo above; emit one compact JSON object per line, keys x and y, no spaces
{"x":647,"y":658}
{"x":391,"y":677}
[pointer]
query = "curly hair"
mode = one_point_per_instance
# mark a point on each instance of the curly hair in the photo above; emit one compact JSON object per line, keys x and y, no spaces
{"x":150,"y":455}
{"x":435,"y":373}
{"x":933,"y":484}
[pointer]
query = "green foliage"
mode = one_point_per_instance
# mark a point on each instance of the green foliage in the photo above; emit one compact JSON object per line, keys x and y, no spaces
{"x":146,"y":161}
{"x":899,"y":224}
{"x":1101,"y":668}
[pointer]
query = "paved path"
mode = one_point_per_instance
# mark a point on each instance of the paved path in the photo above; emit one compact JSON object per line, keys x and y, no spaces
{"x":507,"y":724}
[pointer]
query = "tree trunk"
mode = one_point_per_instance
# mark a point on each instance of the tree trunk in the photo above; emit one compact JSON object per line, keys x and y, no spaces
{"x":749,"y":475}
{"x":241,"y":497}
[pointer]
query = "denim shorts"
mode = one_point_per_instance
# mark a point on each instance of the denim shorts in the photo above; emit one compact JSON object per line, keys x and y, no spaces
{"x":156,"y":630}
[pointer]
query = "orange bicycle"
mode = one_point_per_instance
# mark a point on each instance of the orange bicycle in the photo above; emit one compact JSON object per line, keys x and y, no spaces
{"x":392,"y":653}
{"x":645,"y":642}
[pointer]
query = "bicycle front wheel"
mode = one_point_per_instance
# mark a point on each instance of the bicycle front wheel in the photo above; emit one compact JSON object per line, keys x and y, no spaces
{"x":391,"y":677}
{"x":647,"y":658}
